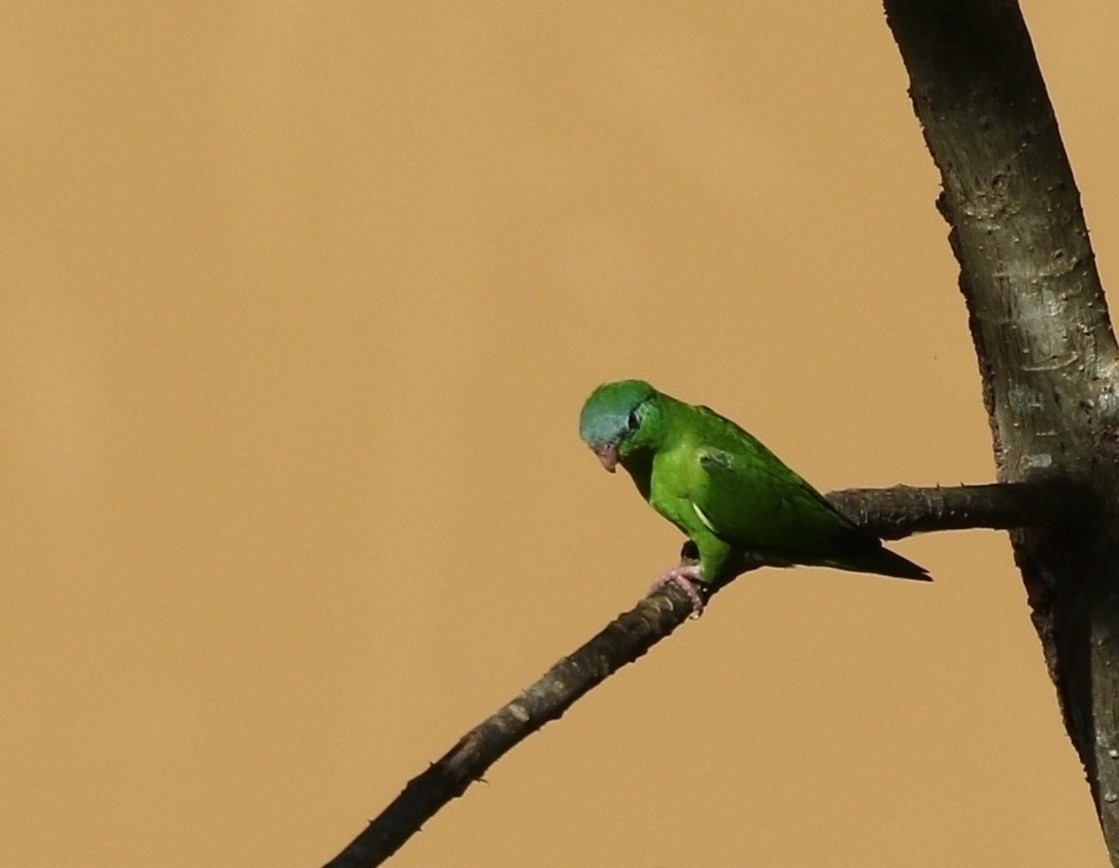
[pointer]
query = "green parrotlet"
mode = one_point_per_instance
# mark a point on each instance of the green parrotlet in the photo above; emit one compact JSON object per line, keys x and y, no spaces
{"x":737,"y":501}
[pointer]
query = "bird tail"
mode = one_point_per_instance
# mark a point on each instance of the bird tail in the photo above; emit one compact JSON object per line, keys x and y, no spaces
{"x":883,"y":562}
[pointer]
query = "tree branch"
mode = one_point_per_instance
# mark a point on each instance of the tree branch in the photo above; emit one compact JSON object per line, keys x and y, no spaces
{"x":895,"y":513}
{"x":892,"y":512}
{"x":1038,"y":320}
{"x":1047,"y":355}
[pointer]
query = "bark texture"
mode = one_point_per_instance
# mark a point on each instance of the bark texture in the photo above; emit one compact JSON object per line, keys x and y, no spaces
{"x":1046,"y":351}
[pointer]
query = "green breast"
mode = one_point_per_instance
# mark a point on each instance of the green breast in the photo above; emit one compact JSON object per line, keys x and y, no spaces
{"x":677,"y":483}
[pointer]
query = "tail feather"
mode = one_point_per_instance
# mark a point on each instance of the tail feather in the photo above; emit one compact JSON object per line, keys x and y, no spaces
{"x":883,"y":562}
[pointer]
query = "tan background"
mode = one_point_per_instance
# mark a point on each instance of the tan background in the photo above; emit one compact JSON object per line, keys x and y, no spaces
{"x":300,"y":302}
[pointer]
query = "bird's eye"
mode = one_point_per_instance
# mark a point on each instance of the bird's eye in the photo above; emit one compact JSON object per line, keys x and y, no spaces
{"x":633,"y":422}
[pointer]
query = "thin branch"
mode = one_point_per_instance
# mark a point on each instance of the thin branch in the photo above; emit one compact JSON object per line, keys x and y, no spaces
{"x":628,"y":637}
{"x":891,"y":512}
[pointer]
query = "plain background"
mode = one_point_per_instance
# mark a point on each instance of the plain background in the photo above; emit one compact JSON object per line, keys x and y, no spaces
{"x":300,"y":302}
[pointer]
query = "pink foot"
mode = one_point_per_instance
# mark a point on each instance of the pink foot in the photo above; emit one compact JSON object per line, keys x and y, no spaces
{"x":686,"y":579}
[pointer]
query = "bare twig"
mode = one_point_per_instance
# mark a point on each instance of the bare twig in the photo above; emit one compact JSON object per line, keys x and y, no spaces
{"x":629,"y":636}
{"x":892,"y":512}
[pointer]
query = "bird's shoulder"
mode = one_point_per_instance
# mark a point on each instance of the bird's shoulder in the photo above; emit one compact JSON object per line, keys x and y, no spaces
{"x":708,"y":456}
{"x":724,"y":446}
{"x":749,"y":494}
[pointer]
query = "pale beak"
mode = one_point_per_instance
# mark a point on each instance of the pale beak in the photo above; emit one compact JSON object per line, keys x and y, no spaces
{"x":608,"y":455}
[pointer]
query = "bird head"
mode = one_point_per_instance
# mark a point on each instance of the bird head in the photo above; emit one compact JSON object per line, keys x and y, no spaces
{"x":614,"y":419}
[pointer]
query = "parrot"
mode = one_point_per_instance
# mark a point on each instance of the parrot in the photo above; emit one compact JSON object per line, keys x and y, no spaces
{"x":737,"y":502}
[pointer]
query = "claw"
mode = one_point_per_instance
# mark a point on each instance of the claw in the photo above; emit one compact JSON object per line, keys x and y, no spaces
{"x":687,"y":580}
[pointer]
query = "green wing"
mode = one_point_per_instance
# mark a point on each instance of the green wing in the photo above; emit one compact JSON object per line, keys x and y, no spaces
{"x":753,"y":501}
{"x":750,"y":499}
{"x":739,"y":503}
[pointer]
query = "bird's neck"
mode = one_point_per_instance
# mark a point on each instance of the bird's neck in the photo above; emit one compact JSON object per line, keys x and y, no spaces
{"x":639,"y":466}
